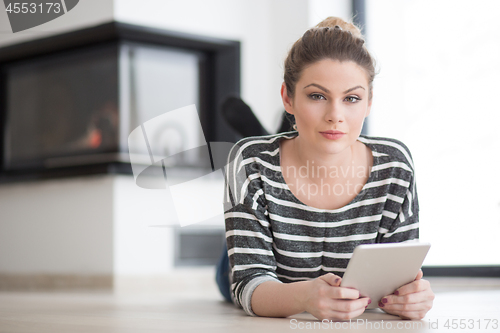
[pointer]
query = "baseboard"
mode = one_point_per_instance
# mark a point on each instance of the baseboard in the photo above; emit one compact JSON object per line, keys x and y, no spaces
{"x":187,"y":280}
{"x":52,"y":282}
{"x":197,"y":280}
{"x":462,"y":271}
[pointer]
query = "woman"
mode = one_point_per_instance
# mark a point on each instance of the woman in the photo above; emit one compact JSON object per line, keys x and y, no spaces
{"x":298,"y":203}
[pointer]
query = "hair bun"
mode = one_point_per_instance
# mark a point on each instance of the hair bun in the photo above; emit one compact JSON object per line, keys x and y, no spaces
{"x":333,"y":39}
{"x":338,"y":23}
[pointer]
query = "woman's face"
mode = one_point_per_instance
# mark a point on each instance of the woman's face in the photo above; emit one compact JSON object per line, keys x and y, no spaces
{"x":330,"y":104}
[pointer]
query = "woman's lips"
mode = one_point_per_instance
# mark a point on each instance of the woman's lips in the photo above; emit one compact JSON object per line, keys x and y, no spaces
{"x":332,"y":135}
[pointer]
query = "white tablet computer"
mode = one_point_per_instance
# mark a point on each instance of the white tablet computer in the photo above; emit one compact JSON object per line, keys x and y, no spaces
{"x":377,"y":270}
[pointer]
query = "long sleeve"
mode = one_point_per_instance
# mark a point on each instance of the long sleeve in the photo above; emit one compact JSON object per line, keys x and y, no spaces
{"x":400,"y":219}
{"x":248,"y":228}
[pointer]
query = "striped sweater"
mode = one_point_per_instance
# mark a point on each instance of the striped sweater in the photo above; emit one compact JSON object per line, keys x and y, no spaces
{"x":272,"y":235}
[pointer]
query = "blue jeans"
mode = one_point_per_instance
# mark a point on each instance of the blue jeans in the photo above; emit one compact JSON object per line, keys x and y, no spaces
{"x":222,"y":274}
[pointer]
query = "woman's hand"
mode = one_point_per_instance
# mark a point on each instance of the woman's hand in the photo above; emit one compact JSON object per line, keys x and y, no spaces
{"x":325,"y":299}
{"x":411,"y":301}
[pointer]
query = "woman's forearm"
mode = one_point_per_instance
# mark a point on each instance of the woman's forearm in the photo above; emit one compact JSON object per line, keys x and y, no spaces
{"x":275,"y":299}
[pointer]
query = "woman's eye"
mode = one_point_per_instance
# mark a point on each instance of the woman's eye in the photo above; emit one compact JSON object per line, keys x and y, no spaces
{"x":317,"y":97}
{"x":352,"y":99}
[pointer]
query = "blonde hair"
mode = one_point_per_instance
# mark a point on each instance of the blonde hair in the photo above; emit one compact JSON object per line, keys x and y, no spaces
{"x":333,"y":38}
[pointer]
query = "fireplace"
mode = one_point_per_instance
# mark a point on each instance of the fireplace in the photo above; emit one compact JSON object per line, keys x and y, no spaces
{"x":69,"y":102}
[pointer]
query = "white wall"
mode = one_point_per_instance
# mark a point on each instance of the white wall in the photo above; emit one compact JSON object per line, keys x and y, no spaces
{"x":320,"y":9}
{"x":57,"y":226}
{"x":93,"y":225}
{"x":143,"y":234}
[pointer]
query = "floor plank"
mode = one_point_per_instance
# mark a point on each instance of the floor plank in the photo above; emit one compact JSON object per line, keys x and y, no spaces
{"x":188,"y":311}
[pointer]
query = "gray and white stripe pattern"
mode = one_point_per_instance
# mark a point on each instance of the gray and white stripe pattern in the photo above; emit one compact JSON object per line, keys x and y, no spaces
{"x":271,"y":235}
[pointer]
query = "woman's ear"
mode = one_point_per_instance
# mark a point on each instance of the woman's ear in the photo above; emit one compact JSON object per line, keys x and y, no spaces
{"x":287,"y":101}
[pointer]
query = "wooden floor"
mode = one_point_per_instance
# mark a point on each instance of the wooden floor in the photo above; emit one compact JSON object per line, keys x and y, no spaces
{"x":474,"y":303}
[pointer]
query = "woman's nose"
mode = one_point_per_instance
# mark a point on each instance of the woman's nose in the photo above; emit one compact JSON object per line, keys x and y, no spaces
{"x":333,"y":113}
